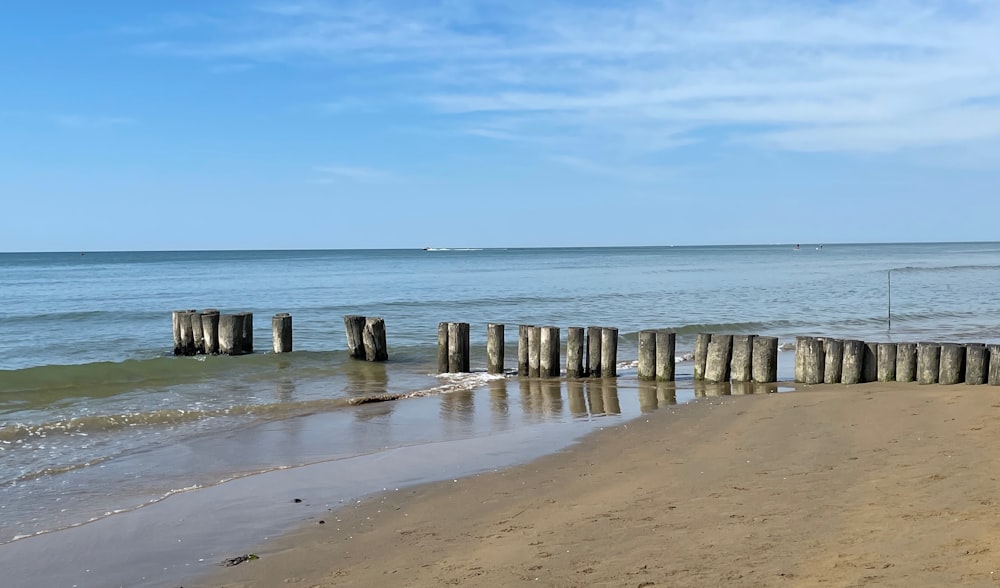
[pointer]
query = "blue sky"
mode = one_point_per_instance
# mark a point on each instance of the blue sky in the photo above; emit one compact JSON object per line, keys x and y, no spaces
{"x":287,"y":124}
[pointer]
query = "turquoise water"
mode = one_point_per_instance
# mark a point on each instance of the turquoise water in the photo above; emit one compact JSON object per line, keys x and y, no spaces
{"x":97,"y":417}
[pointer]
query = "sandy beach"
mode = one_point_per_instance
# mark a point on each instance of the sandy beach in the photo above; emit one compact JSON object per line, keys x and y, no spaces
{"x":877,"y":484}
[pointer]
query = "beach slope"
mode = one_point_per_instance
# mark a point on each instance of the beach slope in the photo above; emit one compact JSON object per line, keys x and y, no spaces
{"x":880,"y":484}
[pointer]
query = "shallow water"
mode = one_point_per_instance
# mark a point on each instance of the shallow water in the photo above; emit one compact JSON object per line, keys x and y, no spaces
{"x":97,"y":417}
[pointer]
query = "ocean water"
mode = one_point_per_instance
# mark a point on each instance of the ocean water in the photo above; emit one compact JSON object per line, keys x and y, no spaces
{"x":97,"y":417}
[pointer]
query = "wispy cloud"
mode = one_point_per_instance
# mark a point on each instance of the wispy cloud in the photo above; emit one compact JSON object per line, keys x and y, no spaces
{"x":651,"y":75}
{"x":333,"y":174}
{"x":86,"y":121}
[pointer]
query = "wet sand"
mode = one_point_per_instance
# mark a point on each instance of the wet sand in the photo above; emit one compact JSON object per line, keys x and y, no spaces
{"x":877,"y":484}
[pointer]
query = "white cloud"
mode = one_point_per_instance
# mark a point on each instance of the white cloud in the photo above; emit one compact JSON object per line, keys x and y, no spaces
{"x":332,"y":174}
{"x":648,"y":75}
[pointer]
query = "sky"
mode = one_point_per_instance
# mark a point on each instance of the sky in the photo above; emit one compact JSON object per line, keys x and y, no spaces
{"x":312,"y":124}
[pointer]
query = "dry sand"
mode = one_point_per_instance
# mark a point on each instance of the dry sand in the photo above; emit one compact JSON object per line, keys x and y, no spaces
{"x":877,"y":484}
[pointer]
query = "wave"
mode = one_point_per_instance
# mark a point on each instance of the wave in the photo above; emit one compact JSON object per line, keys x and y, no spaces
{"x":945,"y":268}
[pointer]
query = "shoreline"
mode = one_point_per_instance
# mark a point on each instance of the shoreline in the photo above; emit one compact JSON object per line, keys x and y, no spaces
{"x":889,"y":484}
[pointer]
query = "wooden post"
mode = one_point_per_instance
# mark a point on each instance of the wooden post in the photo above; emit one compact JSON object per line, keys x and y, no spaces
{"x":442,"y":355}
{"x":246,"y":331}
{"x":928,"y":362}
{"x":522,"y":349}
{"x":976,"y":364}
{"x":886,"y":362}
{"x":869,"y":364}
{"x":354,"y":326}
{"x":575,"y":338}
{"x":647,"y":355}
{"x":741,"y":369}
{"x":548,"y":345}
{"x":854,"y":357}
{"x":800,"y":342}
{"x":952,"y":365}
{"x":765,"y":360}
{"x":494,"y":348}
{"x":906,"y":362}
{"x":210,"y":330}
{"x":718,"y":359}
{"x":701,"y":342}
{"x":186,"y":332}
{"x":594,"y":352}
{"x":281,"y":332}
{"x":374,"y":340}
{"x":230,"y":334}
{"x":535,"y":352}
{"x":993,"y":359}
{"x":609,"y":352}
{"x":666,"y":355}
{"x":813,"y":361}
{"x":197,"y":334}
{"x":175,"y":318}
{"x":458,"y":347}
{"x":833,"y":350}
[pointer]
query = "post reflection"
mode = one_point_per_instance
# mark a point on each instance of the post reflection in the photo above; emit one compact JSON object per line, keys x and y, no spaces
{"x":711,"y":389}
{"x":577,"y":401}
{"x":609,"y":391}
{"x":365,"y":378}
{"x":666,"y":394}
{"x":595,"y":398}
{"x":498,"y":401}
{"x":551,"y":394}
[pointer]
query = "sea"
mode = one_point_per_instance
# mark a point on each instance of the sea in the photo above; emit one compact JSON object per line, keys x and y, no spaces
{"x":105,"y":436}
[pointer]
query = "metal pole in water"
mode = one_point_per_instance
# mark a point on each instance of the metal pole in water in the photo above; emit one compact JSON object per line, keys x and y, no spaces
{"x":889,"y":312}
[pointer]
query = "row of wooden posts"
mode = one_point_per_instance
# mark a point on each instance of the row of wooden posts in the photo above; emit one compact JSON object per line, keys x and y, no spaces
{"x":210,"y":332}
{"x":589,"y":352}
{"x":834,"y":361}
{"x":593,"y":351}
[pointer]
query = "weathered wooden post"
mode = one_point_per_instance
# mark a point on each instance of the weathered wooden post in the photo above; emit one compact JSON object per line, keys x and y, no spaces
{"x":609,"y":352}
{"x":197,"y":334}
{"x":701,"y":341}
{"x":575,"y":338}
{"x":246,"y":332}
{"x":535,"y":352}
{"x":741,"y":368}
{"x":928,"y":362}
{"x":976,"y":364}
{"x":548,"y":343}
{"x":719,"y":358}
{"x":906,"y":362}
{"x":869,"y":363}
{"x":993,"y":359}
{"x":833,"y":365}
{"x":854,"y":357}
{"x":230,"y":334}
{"x":594,"y":352}
{"x":375,"y":344}
{"x":281,"y":332}
{"x":494,"y":348}
{"x":209,"y":319}
{"x":952,"y":365}
{"x":354,"y":326}
{"x":813,"y":361}
{"x":800,"y":342}
{"x":765,"y":360}
{"x":523,"y":353}
{"x":175,"y":318}
{"x":183,"y":331}
{"x":666,"y":355}
{"x":886,"y":362}
{"x":647,"y":355}
{"x":442,"y":355}
{"x":458,"y":347}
